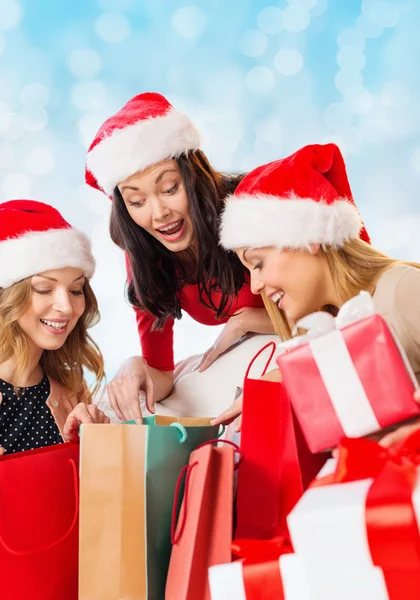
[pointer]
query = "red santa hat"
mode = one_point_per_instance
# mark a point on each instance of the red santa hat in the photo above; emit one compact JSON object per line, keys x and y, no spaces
{"x":144,"y":132}
{"x":302,"y":199}
{"x":34,"y":237}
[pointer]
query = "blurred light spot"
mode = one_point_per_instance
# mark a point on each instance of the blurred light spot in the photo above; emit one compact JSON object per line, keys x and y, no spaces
{"x":2,"y":44}
{"x":351,"y":59}
{"x":320,"y":7}
{"x":10,"y":14}
{"x":375,"y":125}
{"x":380,"y":12}
{"x":395,"y":94}
{"x":253,"y":43}
{"x":88,"y":95}
{"x":415,"y":159}
{"x":16,"y":185}
{"x":112,"y":27}
{"x":367,"y":28}
{"x":270,"y":19}
{"x":260,"y":80}
{"x":351,"y":37}
{"x":39,"y":160}
{"x":269,"y":130}
{"x":295,"y":18}
{"x":189,"y":22}
{"x":358,"y":100}
{"x":88,"y":126}
{"x":337,"y":116}
{"x":11,"y":127}
{"x":84,"y":63}
{"x":34,"y":94}
{"x":34,"y":119}
{"x":288,"y":61}
{"x":7,"y":153}
{"x":352,"y":138}
{"x":115,"y":4}
{"x":348,"y":80}
{"x":306,"y":4}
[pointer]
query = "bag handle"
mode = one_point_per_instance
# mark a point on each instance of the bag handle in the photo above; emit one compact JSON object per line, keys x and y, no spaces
{"x":176,"y":536}
{"x":63,"y":537}
{"x":274,"y":348}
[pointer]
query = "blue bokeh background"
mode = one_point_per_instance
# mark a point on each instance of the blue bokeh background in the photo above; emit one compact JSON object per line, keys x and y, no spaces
{"x":258,"y":78}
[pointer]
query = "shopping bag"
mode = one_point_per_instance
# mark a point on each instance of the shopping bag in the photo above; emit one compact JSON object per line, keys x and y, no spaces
{"x":39,"y":510}
{"x":128,"y":476}
{"x":277,"y":464}
{"x":203,"y":535}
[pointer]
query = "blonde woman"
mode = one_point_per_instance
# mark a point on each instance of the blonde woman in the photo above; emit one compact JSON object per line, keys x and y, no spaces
{"x":302,"y":239}
{"x":46,"y":308}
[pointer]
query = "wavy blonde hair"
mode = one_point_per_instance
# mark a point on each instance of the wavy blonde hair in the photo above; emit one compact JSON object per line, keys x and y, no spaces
{"x":355,"y":267}
{"x":66,"y":364}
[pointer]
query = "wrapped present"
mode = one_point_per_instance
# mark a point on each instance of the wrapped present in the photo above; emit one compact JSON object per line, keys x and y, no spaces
{"x":363,"y":584}
{"x":334,"y":375}
{"x":365,"y":513}
{"x":268,"y":571}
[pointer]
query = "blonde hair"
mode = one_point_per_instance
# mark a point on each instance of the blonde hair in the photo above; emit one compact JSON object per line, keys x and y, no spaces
{"x":65,"y":365}
{"x":355,"y":267}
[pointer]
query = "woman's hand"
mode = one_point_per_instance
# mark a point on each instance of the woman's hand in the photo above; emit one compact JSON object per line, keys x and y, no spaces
{"x":248,"y":320}
{"x":231,"y":333}
{"x":123,"y":391}
{"x":402,"y":432}
{"x":236,"y":409}
{"x":82,"y":414}
{"x":231,"y":414}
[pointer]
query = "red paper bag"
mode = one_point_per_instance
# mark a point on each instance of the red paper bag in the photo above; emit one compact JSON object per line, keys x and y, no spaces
{"x":39,"y":510}
{"x":204,"y":532}
{"x":277,"y":464}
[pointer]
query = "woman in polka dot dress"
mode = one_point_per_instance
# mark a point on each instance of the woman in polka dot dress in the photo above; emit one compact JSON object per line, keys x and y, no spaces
{"x":46,"y":307}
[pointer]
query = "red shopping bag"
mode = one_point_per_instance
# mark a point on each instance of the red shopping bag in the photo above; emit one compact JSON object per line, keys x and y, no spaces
{"x":203,"y":535}
{"x":277,"y":464}
{"x":39,"y":506}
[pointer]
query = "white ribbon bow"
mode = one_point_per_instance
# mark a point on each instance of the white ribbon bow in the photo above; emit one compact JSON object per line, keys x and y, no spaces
{"x":321,"y":323}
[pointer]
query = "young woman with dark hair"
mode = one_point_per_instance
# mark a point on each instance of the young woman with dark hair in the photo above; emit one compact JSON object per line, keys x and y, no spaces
{"x":167,"y":203}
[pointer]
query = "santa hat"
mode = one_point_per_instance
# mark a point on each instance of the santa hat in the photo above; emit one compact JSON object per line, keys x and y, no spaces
{"x":144,"y":132}
{"x":302,"y":199}
{"x":34,"y":237}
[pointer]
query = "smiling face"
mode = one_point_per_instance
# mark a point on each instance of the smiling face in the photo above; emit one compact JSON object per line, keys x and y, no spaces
{"x":157,"y":201}
{"x":57,"y":302}
{"x":298,"y":281}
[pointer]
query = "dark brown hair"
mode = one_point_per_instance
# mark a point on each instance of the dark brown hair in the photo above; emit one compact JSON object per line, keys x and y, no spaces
{"x":157,"y":273}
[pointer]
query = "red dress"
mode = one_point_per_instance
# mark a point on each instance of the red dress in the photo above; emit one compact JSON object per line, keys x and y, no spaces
{"x":158,"y":346}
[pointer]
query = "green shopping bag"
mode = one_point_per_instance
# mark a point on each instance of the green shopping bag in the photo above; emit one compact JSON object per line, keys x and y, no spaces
{"x":128,"y":475}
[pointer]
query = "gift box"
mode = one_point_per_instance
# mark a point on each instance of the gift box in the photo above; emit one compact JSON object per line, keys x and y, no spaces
{"x":364,"y":513}
{"x":279,"y":579}
{"x":363,"y":584}
{"x":335,"y":375}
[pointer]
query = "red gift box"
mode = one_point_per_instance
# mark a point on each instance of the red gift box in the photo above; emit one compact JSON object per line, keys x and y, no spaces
{"x":347,"y":376}
{"x":268,"y":570}
{"x":357,"y":527}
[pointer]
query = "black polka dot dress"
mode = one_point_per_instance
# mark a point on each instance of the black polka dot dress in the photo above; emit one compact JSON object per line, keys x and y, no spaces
{"x":26,"y":421}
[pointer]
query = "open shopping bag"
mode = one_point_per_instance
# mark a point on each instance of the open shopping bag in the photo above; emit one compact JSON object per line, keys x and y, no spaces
{"x":277,"y":464}
{"x":39,"y":514}
{"x":128,"y":478}
{"x":203,"y":535}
